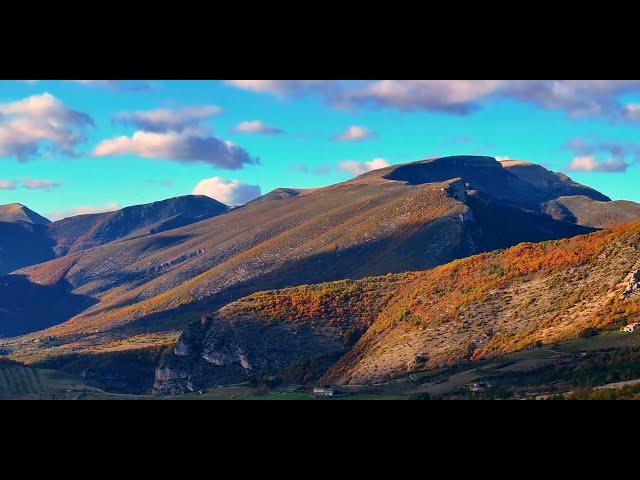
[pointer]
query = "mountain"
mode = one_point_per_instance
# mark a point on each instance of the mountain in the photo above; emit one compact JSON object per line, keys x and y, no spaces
{"x":23,"y":243}
{"x":26,"y":238}
{"x":15,"y":212}
{"x":554,"y":184}
{"x":375,"y":329}
{"x":81,"y":232}
{"x":586,"y":211}
{"x":140,"y":292}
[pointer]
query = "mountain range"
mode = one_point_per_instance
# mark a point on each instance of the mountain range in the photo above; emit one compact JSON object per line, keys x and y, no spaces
{"x":187,"y":292}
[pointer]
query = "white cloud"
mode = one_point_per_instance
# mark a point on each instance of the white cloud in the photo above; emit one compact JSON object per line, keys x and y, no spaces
{"x":575,"y":97}
{"x":589,"y":163}
{"x":631,"y":112}
{"x":26,"y":125}
{"x":284,"y":88}
{"x":35,"y":184}
{"x":358,"y":168}
{"x":83,"y":210}
{"x":229,"y":192}
{"x":257,"y":127}
{"x":183,"y":146}
{"x":7,"y":185}
{"x":354,"y":133}
{"x":169,"y":120}
{"x":118,"y":85}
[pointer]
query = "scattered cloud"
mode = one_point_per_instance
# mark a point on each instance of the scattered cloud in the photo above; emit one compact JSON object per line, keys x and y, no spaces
{"x":619,"y":155}
{"x":29,"y":124}
{"x":185,"y":147}
{"x":631,"y":113}
{"x":578,"y":98}
{"x":229,"y":192}
{"x":169,"y":120}
{"x":256,"y":127}
{"x":589,"y":163}
{"x":300,"y":168}
{"x":285,"y":88}
{"x":118,"y":85}
{"x":30,"y":184}
{"x":358,"y":168}
{"x":35,"y":184}
{"x":83,"y":210}
{"x":7,"y":185}
{"x":354,"y":133}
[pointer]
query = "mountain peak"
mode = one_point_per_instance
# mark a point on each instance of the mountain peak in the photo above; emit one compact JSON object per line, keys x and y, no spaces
{"x":16,"y":212}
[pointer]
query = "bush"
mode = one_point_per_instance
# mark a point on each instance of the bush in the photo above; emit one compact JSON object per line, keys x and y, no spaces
{"x":589,"y":332}
{"x":420,"y":396}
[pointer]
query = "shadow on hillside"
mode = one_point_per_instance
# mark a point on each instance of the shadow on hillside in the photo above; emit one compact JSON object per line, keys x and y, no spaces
{"x":23,"y":244}
{"x":502,"y":227}
{"x":28,"y":307}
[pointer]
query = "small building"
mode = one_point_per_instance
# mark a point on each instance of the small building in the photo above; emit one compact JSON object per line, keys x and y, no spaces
{"x":478,"y":386}
{"x":632,"y":327}
{"x":322,"y":392}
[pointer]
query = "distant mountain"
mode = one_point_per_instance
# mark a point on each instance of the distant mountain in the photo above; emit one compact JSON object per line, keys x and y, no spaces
{"x":146,"y":289}
{"x":375,"y":329}
{"x":554,"y":184}
{"x":86,"y":231}
{"x":23,"y":243}
{"x":585,"y":211}
{"x":27,"y":238}
{"x":15,"y":212}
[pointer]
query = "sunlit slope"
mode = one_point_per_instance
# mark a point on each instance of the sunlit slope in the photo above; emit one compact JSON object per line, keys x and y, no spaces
{"x":376,"y":328}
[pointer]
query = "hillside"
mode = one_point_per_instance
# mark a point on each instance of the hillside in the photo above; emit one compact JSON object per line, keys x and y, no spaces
{"x":15,"y":212}
{"x":393,"y":220}
{"x":27,"y":239}
{"x":23,"y":238}
{"x":81,"y":232}
{"x":585,"y":211}
{"x":23,"y":243}
{"x":374,"y":329}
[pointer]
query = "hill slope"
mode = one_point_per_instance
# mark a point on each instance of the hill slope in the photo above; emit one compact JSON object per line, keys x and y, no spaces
{"x":397,"y":219}
{"x":16,"y":212}
{"x":81,"y":232}
{"x":369,"y":330}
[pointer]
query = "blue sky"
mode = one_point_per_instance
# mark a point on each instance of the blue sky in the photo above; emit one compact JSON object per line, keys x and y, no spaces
{"x":71,"y":146}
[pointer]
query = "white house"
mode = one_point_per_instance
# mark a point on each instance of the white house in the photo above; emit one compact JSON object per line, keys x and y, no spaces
{"x":322,"y":392}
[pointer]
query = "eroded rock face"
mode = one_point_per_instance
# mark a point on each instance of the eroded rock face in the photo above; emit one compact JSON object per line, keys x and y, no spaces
{"x":633,"y":285}
{"x":236,"y":351}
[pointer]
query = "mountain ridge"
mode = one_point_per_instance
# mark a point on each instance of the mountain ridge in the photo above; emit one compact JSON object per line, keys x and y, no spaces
{"x":146,"y":290}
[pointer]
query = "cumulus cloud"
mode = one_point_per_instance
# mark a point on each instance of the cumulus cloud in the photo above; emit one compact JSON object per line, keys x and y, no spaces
{"x":459,"y":97}
{"x":35,"y":184}
{"x":358,"y":168}
{"x":619,"y":155}
{"x":7,"y":185}
{"x":354,"y":133}
{"x":257,"y":127}
{"x":83,"y":210}
{"x":186,"y":147}
{"x":169,"y":120}
{"x":229,"y":192}
{"x":589,"y":163}
{"x":26,"y":125}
